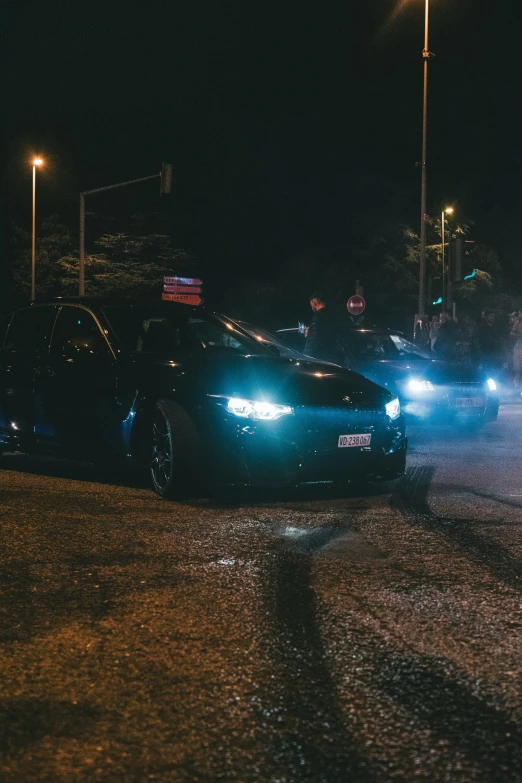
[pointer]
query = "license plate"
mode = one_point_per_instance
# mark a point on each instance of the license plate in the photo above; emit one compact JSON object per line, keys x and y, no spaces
{"x":346,"y":441}
{"x":469,"y":402}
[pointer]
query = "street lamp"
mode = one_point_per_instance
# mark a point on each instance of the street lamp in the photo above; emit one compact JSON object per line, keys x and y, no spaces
{"x":36,"y":162}
{"x":426,"y":54}
{"x":447,"y":211}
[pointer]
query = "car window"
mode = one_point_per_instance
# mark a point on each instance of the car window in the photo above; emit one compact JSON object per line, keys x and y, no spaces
{"x":368,"y":345}
{"x":158,"y":335}
{"x":405,"y":347}
{"x":223,"y":336}
{"x":77,"y":331}
{"x":162,"y":328}
{"x":146,"y":329}
{"x":143,"y":328}
{"x":30,"y":329}
{"x":267,"y":338}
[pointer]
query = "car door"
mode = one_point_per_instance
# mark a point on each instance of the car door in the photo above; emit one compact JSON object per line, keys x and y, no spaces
{"x":25,"y":344}
{"x":75,"y":391}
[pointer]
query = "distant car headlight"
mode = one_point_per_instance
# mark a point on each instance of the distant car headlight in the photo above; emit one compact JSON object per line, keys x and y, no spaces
{"x":416,"y":385}
{"x":393,"y":408}
{"x":492,"y":386}
{"x":255,"y":409}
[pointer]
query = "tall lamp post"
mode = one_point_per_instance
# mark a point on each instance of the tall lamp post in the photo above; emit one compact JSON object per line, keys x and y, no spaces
{"x":426,"y":54}
{"x":36,"y":162}
{"x":447,"y":211}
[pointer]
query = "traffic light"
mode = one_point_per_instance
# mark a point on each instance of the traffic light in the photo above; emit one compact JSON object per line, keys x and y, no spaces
{"x":165,"y":179}
{"x":462,"y":259}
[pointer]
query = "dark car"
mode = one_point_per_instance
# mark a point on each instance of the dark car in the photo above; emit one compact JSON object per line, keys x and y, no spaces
{"x":189,"y":393}
{"x":429,"y":389}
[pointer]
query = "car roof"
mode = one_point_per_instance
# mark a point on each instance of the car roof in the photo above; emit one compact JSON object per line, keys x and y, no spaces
{"x":99,"y":301}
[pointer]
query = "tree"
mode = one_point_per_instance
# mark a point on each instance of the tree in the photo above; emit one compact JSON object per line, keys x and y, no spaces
{"x":54,"y":241}
{"x":127,"y":265}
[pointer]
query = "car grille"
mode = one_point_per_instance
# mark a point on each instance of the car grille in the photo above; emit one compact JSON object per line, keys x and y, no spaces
{"x":320,"y":428}
{"x":467,"y":388}
{"x":460,"y":391}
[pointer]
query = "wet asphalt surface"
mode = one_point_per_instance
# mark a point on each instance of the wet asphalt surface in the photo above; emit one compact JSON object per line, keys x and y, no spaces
{"x":298,"y":637}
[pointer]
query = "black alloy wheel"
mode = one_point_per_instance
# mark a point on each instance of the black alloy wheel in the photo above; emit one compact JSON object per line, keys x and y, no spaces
{"x":175,"y":451}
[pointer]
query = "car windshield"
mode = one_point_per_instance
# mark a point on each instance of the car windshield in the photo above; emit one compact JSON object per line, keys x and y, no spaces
{"x":161,"y":329}
{"x":373,"y":345}
{"x":267,"y":338}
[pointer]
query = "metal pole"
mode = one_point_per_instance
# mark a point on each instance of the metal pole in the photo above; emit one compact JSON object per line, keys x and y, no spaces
{"x":81,"y":286}
{"x":33,"y":245}
{"x":443,"y":268}
{"x":121,"y":184}
{"x":422,"y":259}
{"x":449,"y":281}
{"x":81,"y":281}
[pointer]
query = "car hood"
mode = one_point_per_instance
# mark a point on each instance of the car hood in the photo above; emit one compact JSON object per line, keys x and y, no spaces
{"x":287,"y":381}
{"x":435,"y":370}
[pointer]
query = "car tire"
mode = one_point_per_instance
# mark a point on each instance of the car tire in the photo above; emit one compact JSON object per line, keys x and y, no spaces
{"x":176,"y":452}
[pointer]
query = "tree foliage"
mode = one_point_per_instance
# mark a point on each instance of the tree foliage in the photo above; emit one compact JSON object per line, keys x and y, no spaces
{"x":383,"y":256}
{"x":124,"y":264}
{"x":54,"y":241}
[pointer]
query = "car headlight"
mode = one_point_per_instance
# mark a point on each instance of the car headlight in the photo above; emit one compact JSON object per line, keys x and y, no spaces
{"x":393,"y":408}
{"x":416,"y":385}
{"x":255,"y":409}
{"x":492,"y":386}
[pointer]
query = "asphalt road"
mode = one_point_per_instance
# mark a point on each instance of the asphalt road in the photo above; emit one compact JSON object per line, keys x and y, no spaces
{"x":304,"y":637}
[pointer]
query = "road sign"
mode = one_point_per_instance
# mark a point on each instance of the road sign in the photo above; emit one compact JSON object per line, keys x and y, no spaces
{"x":356,"y":305}
{"x":182,"y":281}
{"x":183,"y":298}
{"x":182,"y":289}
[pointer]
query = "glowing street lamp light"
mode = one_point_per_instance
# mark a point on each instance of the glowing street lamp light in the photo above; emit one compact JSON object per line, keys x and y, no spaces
{"x":447,"y":211}
{"x":36,"y":162}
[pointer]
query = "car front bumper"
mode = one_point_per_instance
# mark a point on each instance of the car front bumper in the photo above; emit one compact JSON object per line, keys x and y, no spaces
{"x":303,"y":448}
{"x":450,"y":404}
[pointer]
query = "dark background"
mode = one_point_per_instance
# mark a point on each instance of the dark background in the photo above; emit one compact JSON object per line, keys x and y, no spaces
{"x":292,"y":127}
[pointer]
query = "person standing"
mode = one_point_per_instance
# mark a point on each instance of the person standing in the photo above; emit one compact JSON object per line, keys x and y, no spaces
{"x":516,"y":334}
{"x":421,"y":332}
{"x":445,"y":344}
{"x":464,"y":349}
{"x":489,"y":342}
{"x":323,"y":340}
{"x":434,"y":330}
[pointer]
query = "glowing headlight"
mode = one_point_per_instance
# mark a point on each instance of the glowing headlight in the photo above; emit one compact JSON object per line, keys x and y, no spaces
{"x":492,"y":386}
{"x":393,"y":408}
{"x":420,"y":386}
{"x":251,"y":409}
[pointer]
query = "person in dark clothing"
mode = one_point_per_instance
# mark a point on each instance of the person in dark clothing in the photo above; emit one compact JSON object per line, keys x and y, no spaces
{"x":465,"y":345}
{"x":323,"y":341}
{"x":447,"y":334}
{"x":489,"y":342}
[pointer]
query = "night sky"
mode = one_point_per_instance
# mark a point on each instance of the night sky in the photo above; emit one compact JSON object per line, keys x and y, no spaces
{"x":284,"y":121}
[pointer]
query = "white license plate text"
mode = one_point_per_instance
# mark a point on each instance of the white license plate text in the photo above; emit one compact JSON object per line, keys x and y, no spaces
{"x":346,"y":441}
{"x":468,"y":402}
